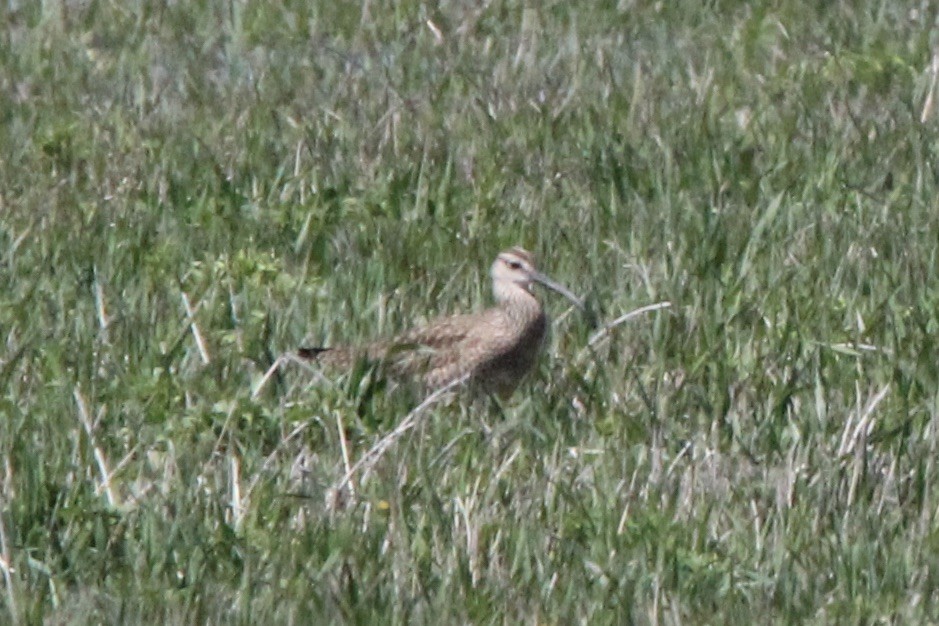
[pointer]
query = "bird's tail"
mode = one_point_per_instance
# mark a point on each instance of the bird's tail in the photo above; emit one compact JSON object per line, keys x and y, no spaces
{"x":312,"y":353}
{"x":341,"y":357}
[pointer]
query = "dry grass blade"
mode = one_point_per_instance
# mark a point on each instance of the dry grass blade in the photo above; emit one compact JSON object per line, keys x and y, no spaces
{"x":7,"y":568}
{"x":196,"y":333}
{"x":375,"y":453}
{"x":607,"y":328}
{"x":85,"y":419}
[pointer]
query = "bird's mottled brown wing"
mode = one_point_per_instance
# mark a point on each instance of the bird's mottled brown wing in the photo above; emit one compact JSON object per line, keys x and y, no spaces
{"x":488,"y":351}
{"x":492,"y":347}
{"x":427,"y":352}
{"x":442,"y":333}
{"x":413,"y":353}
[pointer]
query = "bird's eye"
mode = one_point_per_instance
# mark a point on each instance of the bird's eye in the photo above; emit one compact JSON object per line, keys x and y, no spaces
{"x":515,"y":265}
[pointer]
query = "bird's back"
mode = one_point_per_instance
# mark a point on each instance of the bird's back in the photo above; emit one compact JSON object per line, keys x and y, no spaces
{"x":495,"y":347}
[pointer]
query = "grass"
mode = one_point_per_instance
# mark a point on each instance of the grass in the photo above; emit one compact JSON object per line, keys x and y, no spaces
{"x":188,"y":190}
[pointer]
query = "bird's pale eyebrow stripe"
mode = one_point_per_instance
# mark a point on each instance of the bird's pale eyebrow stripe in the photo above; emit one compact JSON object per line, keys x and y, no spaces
{"x":520,"y":253}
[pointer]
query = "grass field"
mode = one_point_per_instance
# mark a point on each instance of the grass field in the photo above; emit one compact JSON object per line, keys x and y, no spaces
{"x":190,"y":189}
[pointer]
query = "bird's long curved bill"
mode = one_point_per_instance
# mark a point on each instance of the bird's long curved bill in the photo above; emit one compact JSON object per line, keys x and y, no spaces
{"x":561,"y":289}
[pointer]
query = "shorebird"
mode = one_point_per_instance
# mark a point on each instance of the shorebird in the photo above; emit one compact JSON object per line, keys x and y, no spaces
{"x":493,"y":349}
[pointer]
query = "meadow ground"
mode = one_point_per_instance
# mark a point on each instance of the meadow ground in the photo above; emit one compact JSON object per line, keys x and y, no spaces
{"x":190,"y":189}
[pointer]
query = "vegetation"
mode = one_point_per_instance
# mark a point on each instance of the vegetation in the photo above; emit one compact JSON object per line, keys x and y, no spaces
{"x":190,"y":189}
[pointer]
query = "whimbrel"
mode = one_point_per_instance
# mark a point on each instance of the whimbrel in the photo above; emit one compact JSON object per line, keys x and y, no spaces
{"x":494,"y":348}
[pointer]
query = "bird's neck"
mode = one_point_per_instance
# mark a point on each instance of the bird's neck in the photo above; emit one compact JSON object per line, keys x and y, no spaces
{"x":517,"y":300}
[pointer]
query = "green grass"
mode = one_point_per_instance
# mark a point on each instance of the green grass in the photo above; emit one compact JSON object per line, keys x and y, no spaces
{"x":762,"y":451}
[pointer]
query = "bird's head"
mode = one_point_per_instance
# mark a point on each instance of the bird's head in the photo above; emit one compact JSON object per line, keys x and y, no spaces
{"x":515,"y":269}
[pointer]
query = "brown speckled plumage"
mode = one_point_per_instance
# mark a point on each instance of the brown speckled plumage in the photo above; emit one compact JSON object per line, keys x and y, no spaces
{"x":495,"y":347}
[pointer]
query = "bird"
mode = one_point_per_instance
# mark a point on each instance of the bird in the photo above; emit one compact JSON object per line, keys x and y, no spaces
{"x":492,"y":349}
